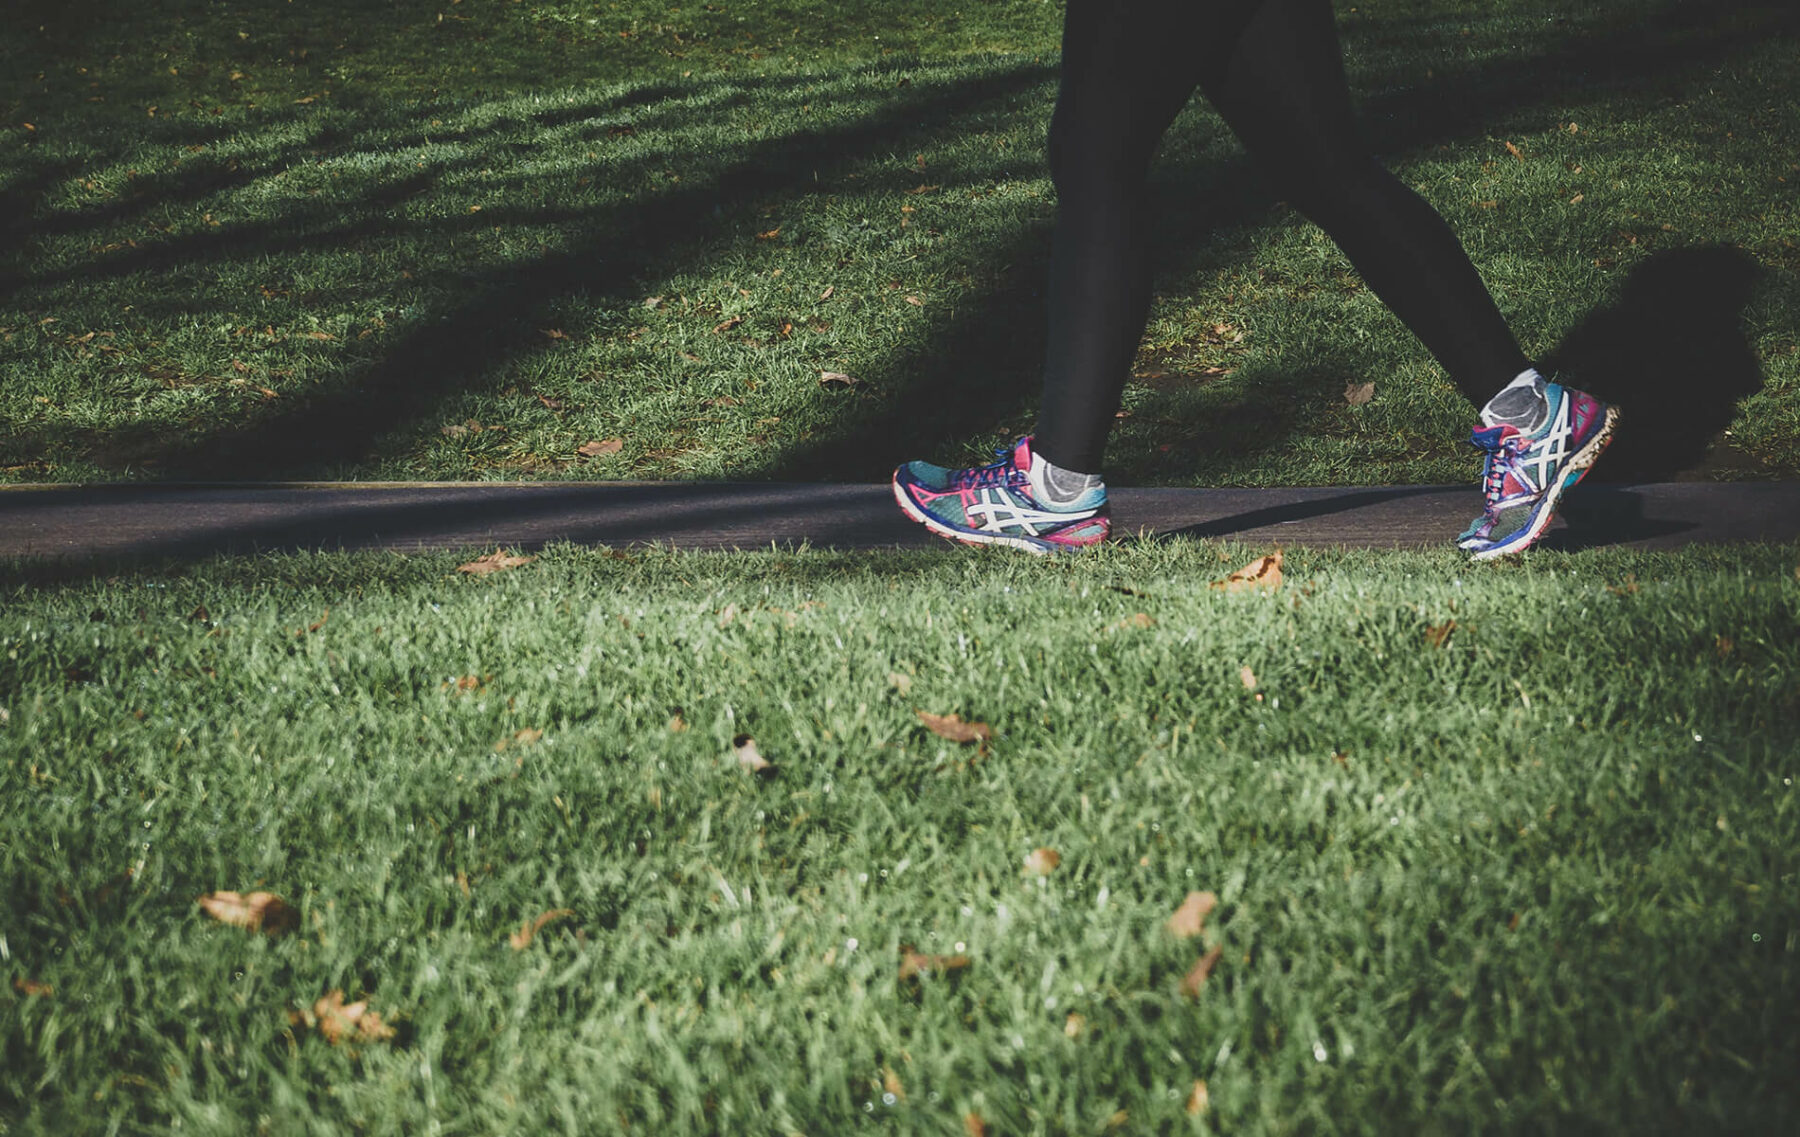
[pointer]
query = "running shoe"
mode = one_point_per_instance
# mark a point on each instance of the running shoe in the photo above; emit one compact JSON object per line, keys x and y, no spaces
{"x":1526,"y":475}
{"x":996,"y":505}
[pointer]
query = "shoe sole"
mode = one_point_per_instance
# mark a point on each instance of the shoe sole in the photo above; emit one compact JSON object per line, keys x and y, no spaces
{"x":1581,"y":463}
{"x":972,"y":536}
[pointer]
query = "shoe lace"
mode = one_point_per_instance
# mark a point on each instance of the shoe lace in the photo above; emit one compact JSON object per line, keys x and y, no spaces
{"x":1502,"y":456}
{"x":999,"y":473}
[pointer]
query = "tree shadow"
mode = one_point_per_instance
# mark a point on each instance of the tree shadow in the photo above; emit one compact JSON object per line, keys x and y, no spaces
{"x":981,"y":369}
{"x":1670,"y":350}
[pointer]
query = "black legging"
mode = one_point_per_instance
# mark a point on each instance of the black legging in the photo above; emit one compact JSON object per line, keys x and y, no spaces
{"x":1274,"y":71}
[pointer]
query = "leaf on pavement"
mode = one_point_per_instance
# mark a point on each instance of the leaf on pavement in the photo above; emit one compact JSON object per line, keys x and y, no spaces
{"x":1263,"y":573}
{"x":521,"y":939}
{"x":1042,"y":862}
{"x":257,"y":911}
{"x":952,"y":727}
{"x":1190,"y":919}
{"x":600,"y":447}
{"x":497,"y":561}
{"x":1196,"y":976}
{"x":1356,"y":394}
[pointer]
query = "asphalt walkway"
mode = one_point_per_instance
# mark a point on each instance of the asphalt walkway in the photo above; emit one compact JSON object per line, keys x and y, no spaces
{"x":196,"y":520}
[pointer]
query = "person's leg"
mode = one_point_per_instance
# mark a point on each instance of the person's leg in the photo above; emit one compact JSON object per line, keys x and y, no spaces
{"x":1284,"y":95}
{"x":1128,"y":68}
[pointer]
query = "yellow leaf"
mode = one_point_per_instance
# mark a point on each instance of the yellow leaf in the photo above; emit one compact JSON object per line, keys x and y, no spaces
{"x":497,"y":561}
{"x":952,"y":727}
{"x":1262,"y":573}
{"x":1198,"y":1100}
{"x":1190,"y":918}
{"x":257,"y":911}
{"x":521,"y":939}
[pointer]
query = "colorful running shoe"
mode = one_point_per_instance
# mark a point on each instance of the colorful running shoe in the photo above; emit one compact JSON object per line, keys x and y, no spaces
{"x":1526,"y":474}
{"x":995,"y":505}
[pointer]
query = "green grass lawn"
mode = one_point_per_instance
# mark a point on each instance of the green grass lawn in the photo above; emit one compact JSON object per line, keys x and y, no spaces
{"x":463,"y":240}
{"x":1496,"y":848}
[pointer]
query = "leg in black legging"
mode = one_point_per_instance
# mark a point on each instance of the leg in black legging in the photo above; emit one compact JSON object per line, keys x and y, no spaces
{"x":1283,"y":94}
{"x":1274,"y":70}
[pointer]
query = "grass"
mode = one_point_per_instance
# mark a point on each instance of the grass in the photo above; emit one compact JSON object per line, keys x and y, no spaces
{"x":1536,"y":878}
{"x":344,"y":241}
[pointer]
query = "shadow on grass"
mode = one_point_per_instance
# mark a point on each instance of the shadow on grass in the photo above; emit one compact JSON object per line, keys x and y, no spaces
{"x":1670,"y":350}
{"x":981,"y":371}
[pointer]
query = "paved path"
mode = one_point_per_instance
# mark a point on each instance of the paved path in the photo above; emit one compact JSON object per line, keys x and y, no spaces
{"x":87,"y":521}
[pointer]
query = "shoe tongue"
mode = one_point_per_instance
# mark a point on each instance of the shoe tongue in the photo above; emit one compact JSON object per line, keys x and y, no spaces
{"x":1491,"y":437}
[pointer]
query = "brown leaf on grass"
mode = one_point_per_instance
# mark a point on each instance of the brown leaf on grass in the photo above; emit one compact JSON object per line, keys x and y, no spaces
{"x":341,"y":1022}
{"x":1074,"y":1025}
{"x":952,"y":727}
{"x":524,"y":737}
{"x":1118,"y":1119}
{"x":320,"y":336}
{"x":915,"y":301}
{"x":1356,"y":394}
{"x":1042,"y":861}
{"x":924,"y":189}
{"x":1630,"y":587}
{"x":677,"y":724}
{"x":521,"y":939}
{"x":1723,"y":646}
{"x":1515,"y":151}
{"x":497,"y":561}
{"x":900,"y":682}
{"x":1196,"y":976}
{"x":829,"y":289}
{"x":914,"y":964}
{"x":837,"y":381}
{"x":257,"y":911}
{"x":553,"y":404}
{"x":1436,"y":634}
{"x":32,"y":989}
{"x":727,"y":324}
{"x":769,"y":235}
{"x":1190,"y":919}
{"x":1135,"y":620}
{"x":1248,"y":678}
{"x":1488,"y":204}
{"x":890,"y":1083}
{"x":1198,"y":1100}
{"x":554,"y":333}
{"x":973,"y":1126}
{"x":600,"y":447}
{"x":743,"y":748}
{"x":1263,"y":573}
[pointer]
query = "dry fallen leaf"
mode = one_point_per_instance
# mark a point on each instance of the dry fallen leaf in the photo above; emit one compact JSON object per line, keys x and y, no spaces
{"x":600,"y":448}
{"x":973,"y":1126}
{"x":1248,"y":678}
{"x":915,"y":301}
{"x":339,"y":1022}
{"x":32,"y":989}
{"x":727,"y":324}
{"x":900,"y":682}
{"x":1042,"y":862}
{"x":1136,"y":620}
{"x":258,"y":911}
{"x":1198,"y":1100}
{"x":497,"y":561}
{"x":1515,"y":151}
{"x":1190,"y":918}
{"x":1436,"y":634}
{"x":521,"y":939}
{"x":952,"y":727}
{"x":913,"y":964}
{"x":744,"y":748}
{"x":890,"y":1082}
{"x":1356,"y":394}
{"x":1074,"y":1025}
{"x":829,"y":289}
{"x":837,"y":380}
{"x":1118,"y":1119}
{"x":1196,"y":976}
{"x":1262,"y":573}
{"x":522,"y":738}
{"x":677,"y":724}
